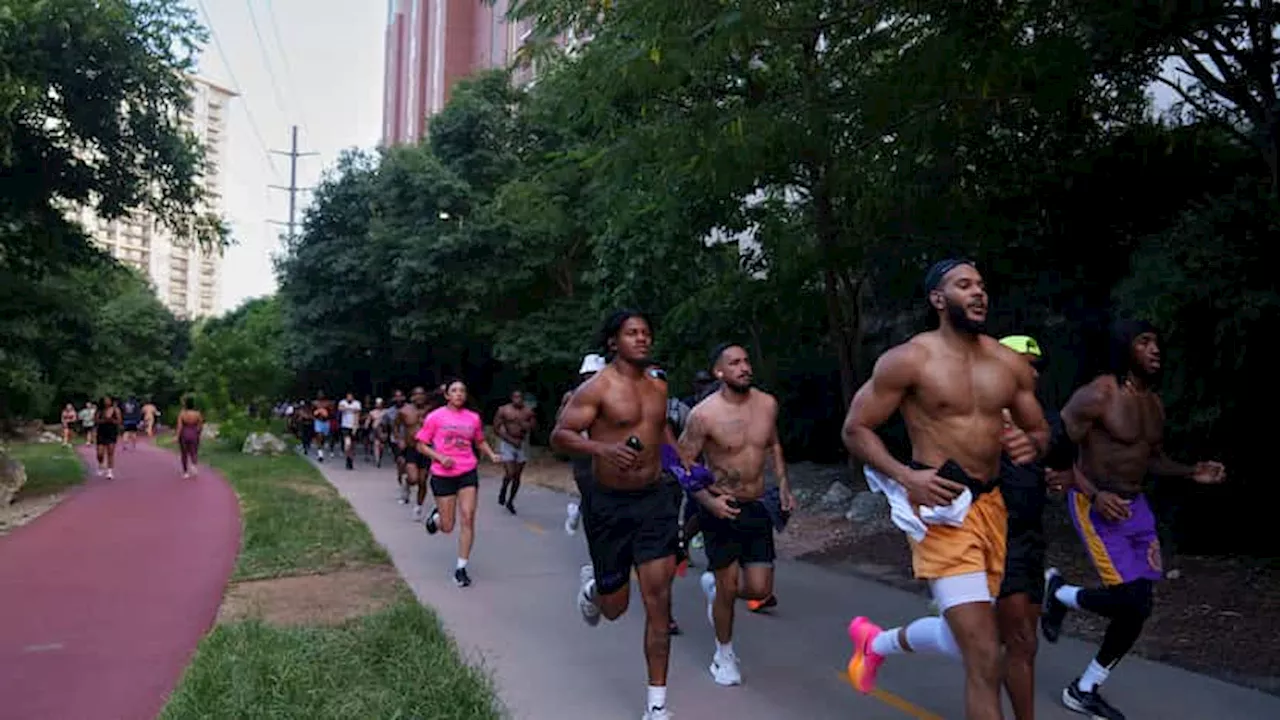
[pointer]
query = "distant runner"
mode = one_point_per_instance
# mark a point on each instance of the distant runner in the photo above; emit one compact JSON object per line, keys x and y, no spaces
{"x":149,"y":414}
{"x":107,"y":426}
{"x":378,"y":431}
{"x":131,"y":411}
{"x":88,"y":419}
{"x":407,"y":423}
{"x":737,"y":430}
{"x":1118,"y":421}
{"x":349,"y":413}
{"x":188,"y":430}
{"x":450,"y":436}
{"x":69,"y":418}
{"x":513,"y":423}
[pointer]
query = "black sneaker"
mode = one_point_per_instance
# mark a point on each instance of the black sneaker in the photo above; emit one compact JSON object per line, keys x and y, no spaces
{"x":351,"y":464}
{"x":673,"y":628}
{"x":511,"y":506}
{"x":431,"y":524}
{"x":502,"y":497}
{"x":1055,"y":611}
{"x":1089,"y":703}
{"x":461,"y":578}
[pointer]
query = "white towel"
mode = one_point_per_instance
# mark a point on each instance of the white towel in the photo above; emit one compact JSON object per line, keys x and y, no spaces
{"x":908,"y":519}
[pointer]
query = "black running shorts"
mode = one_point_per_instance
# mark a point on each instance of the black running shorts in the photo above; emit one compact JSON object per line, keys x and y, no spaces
{"x":413,"y":457}
{"x":626,"y":528}
{"x":745,"y":540}
{"x":449,"y":486}
{"x":1024,"y":497}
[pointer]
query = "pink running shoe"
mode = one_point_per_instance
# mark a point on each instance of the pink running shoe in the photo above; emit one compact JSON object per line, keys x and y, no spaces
{"x":865,"y":663}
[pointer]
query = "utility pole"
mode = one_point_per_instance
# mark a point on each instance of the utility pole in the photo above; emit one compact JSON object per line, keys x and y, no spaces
{"x":293,"y":188}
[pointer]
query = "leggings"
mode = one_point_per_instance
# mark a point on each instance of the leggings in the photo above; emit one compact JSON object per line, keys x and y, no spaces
{"x":1127,"y":606}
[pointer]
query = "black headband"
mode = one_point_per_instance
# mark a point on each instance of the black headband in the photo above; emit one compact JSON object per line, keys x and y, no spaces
{"x":933,"y":278}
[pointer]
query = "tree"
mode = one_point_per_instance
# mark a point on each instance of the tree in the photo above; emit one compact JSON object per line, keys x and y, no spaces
{"x":238,"y":360}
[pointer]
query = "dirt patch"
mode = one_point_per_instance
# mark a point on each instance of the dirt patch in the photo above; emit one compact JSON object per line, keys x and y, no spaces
{"x":311,"y":489}
{"x":24,"y":510}
{"x":544,"y":470}
{"x":326,"y":599}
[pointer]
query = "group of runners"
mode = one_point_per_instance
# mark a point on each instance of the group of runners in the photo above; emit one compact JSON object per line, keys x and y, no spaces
{"x":653,"y":472}
{"x":105,"y":422}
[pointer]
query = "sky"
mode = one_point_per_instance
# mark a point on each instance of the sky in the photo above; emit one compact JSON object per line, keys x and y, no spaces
{"x":318,"y":64}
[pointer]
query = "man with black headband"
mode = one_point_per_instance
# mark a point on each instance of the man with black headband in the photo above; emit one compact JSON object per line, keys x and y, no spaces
{"x":736,"y":428}
{"x":953,"y":386}
{"x":1118,"y":421}
{"x":627,"y":511}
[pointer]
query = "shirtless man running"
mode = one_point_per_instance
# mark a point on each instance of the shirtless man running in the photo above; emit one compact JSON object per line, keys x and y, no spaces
{"x":1118,"y":420}
{"x":513,"y":423}
{"x":736,"y":428}
{"x":628,"y":514}
{"x":407,"y":423}
{"x":149,"y":414}
{"x":952,"y":385}
{"x":322,"y":412}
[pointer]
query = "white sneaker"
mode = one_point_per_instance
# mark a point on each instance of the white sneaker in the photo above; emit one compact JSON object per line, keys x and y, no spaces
{"x":573,"y":517}
{"x":708,"y":582}
{"x":404,"y":494}
{"x":185,"y":475}
{"x":417,"y":513}
{"x":724,"y":669}
{"x":111,"y":474}
{"x":586,"y":596}
{"x":657,"y":714}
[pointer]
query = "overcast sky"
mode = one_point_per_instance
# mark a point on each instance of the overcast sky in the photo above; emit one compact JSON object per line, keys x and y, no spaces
{"x":325,"y":58}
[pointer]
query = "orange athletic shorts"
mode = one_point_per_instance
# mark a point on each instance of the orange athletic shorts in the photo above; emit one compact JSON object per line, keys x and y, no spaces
{"x":976,"y":546}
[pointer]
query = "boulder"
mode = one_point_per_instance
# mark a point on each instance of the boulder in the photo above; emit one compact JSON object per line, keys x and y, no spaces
{"x":49,"y":438}
{"x":837,"y":497}
{"x":866,"y":507}
{"x":12,"y":477}
{"x":264,"y":444}
{"x":209,"y":431}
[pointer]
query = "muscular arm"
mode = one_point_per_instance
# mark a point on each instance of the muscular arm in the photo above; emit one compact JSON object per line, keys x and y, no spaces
{"x":775,"y":451}
{"x":500,"y":425}
{"x":578,"y":415}
{"x":693,"y":438}
{"x":1026,"y":411}
{"x":874,"y":403}
{"x":1086,"y":407}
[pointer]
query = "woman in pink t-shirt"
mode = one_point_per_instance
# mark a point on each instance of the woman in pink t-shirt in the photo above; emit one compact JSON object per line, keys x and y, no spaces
{"x":449,"y":436}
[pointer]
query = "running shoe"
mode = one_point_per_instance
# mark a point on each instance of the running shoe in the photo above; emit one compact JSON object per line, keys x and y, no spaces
{"x":586,"y":596}
{"x":1089,"y":702}
{"x":724,"y":669}
{"x":573,"y":516}
{"x":657,"y":713}
{"x":757,"y":606}
{"x":461,"y":578}
{"x":432,"y":523}
{"x":865,"y":662}
{"x":1055,"y":611}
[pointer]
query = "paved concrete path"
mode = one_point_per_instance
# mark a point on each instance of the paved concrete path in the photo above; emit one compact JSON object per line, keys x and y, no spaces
{"x":105,"y":598}
{"x":520,"y":621}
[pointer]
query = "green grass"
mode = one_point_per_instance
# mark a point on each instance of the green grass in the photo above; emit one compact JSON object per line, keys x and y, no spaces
{"x":294,"y":522}
{"x":397,"y":663}
{"x":50,"y":467}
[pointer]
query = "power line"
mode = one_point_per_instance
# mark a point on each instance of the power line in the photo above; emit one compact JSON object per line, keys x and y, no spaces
{"x":293,"y":188}
{"x":266,"y":61}
{"x":235,"y":85}
{"x":288,"y":69}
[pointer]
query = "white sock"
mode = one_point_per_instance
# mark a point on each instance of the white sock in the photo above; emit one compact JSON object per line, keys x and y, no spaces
{"x":1093,"y":676}
{"x":1069,"y":595}
{"x":932,"y":635}
{"x":657,"y":697}
{"x":462,"y":563}
{"x":723,"y":649}
{"x":886,"y":643}
{"x":319,"y":453}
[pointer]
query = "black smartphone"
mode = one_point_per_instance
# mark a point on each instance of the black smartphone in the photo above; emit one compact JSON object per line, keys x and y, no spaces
{"x":634,"y":443}
{"x":952,"y":471}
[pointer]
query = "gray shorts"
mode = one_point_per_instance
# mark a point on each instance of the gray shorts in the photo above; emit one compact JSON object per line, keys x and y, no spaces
{"x":513,"y":454}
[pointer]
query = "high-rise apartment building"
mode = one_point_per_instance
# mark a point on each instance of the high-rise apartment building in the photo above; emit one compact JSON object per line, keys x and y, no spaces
{"x":430,"y":46}
{"x":186,"y":278}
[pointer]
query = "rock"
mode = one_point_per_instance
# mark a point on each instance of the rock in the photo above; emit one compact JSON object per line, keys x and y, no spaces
{"x":12,"y":477}
{"x":866,"y":507}
{"x":264,"y":444}
{"x":836,"y":497}
{"x":209,"y":431}
{"x":48,"y":438}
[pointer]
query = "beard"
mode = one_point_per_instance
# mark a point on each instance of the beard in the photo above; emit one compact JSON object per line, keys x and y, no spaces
{"x":739,"y":388}
{"x":961,"y":321}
